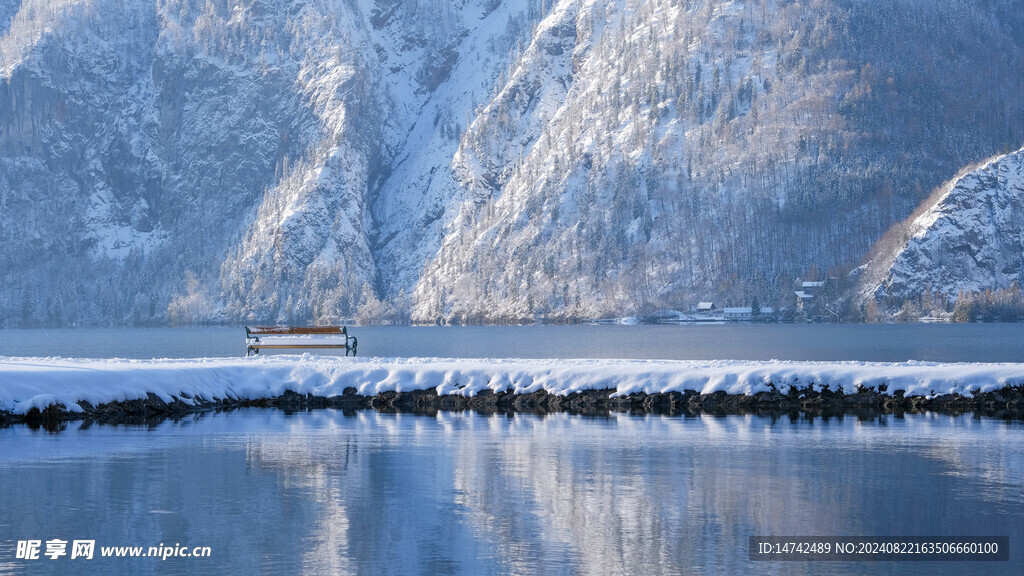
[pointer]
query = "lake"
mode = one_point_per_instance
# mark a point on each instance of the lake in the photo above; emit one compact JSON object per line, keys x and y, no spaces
{"x":462,"y":493}
{"x":826,"y":342}
{"x":332,"y":492}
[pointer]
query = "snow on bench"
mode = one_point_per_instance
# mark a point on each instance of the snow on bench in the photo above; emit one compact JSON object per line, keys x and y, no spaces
{"x":261,"y":337}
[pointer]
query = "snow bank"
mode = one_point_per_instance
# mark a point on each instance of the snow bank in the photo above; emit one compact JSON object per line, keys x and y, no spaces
{"x":27,"y":383}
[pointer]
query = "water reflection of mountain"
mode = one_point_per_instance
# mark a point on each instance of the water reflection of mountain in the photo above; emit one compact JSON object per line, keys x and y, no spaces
{"x":463,"y":493}
{"x":469,"y":493}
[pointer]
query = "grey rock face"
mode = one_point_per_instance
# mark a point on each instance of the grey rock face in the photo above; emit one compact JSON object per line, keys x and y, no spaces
{"x":970,"y":239}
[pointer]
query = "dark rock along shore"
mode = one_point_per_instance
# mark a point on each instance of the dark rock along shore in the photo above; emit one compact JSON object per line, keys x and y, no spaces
{"x":1005,"y":403}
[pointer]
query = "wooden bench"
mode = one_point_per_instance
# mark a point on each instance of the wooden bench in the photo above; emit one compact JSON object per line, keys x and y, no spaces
{"x":261,"y":337}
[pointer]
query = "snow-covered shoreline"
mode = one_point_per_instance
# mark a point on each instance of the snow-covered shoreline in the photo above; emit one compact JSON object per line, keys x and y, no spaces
{"x":78,"y":386}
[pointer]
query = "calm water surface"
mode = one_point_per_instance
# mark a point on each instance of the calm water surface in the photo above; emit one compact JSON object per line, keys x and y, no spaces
{"x":463,"y":493}
{"x":875,"y":342}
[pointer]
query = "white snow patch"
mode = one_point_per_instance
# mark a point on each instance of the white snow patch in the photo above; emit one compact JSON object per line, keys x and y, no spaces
{"x":27,"y":383}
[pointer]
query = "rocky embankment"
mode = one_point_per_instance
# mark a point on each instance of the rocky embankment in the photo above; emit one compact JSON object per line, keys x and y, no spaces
{"x":1007,"y":402}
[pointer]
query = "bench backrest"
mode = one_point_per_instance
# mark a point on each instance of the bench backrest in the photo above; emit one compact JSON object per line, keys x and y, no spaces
{"x":293,"y":330}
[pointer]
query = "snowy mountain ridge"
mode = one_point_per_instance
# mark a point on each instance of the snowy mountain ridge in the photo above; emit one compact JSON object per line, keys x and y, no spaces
{"x":970,"y":238}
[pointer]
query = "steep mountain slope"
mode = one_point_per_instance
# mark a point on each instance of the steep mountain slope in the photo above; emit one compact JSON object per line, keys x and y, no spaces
{"x":222,"y":158}
{"x":969,"y":238}
{"x":713,"y":149}
{"x":134,"y":140}
{"x":415,"y":193}
{"x":474,"y":160}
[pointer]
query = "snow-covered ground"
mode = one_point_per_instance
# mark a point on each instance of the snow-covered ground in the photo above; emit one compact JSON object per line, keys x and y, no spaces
{"x":27,"y":383}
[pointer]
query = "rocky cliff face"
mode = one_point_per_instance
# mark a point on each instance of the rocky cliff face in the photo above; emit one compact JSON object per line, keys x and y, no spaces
{"x":968,"y":238}
{"x":476,"y":160}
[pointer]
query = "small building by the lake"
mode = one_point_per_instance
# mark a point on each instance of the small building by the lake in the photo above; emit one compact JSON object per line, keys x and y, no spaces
{"x":746,"y":314}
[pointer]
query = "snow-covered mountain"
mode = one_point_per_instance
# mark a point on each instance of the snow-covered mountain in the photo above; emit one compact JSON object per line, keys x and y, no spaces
{"x":229,"y":159}
{"x":472,"y":160}
{"x":969,"y":237}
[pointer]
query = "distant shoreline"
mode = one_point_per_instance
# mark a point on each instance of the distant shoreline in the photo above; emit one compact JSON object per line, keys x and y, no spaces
{"x":1007,"y":403}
